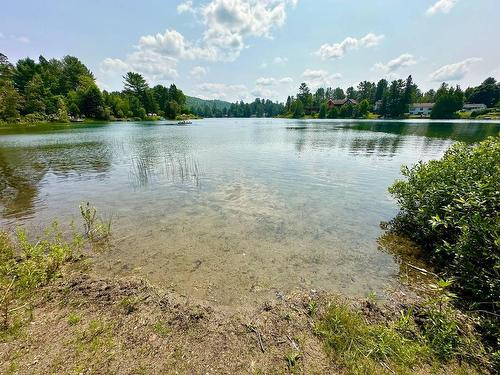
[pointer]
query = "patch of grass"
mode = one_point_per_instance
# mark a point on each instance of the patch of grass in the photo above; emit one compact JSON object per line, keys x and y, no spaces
{"x":432,"y":334}
{"x":73,"y":319}
{"x":312,"y":307}
{"x":161,"y":329}
{"x":129,"y":304}
{"x":93,"y":347}
{"x":292,"y":359}
{"x":361,"y":346}
{"x":96,"y":336}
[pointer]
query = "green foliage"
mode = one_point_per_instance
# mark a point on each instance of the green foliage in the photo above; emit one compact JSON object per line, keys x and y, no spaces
{"x":26,"y":266}
{"x":428,"y":333}
{"x":297,"y":109}
{"x":322,"y":111}
{"x":96,"y":229}
{"x":448,"y":101}
{"x":54,"y":90}
{"x":451,"y":207}
{"x":292,"y":359}
{"x":73,"y":319}
{"x":365,"y":347}
{"x":487,"y":93}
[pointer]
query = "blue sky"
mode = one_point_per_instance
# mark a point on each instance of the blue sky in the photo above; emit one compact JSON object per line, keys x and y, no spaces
{"x":240,"y":49}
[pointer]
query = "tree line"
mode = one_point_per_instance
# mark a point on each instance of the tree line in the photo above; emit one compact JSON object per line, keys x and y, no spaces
{"x":388,"y":99}
{"x":258,"y":108}
{"x":60,"y":89}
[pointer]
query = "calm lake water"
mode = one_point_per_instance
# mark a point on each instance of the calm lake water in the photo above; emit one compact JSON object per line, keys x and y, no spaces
{"x":227,"y":210}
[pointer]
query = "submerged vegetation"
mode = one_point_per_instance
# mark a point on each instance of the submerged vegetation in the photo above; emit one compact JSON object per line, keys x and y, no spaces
{"x":100,"y":322}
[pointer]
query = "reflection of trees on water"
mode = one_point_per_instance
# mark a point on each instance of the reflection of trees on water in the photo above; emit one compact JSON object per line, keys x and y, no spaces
{"x":18,"y":186}
{"x":343,"y":139}
{"x":22,"y":170}
{"x":465,"y":132}
{"x":384,"y":139}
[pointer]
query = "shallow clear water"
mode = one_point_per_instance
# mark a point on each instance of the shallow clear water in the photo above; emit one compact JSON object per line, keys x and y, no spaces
{"x":227,"y":210}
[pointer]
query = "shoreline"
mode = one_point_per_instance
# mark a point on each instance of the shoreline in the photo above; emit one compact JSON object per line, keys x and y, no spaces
{"x":80,"y":323}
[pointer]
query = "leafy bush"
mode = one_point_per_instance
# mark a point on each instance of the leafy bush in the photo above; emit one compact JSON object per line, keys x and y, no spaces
{"x":479,"y":112}
{"x":451,"y":207}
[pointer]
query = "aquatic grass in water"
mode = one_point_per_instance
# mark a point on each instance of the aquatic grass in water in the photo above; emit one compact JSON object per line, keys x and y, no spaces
{"x":180,"y":169}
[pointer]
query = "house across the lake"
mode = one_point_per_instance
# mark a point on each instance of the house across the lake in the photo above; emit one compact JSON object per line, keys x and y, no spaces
{"x":469,"y":107}
{"x":421,"y":109}
{"x":340,"y":102}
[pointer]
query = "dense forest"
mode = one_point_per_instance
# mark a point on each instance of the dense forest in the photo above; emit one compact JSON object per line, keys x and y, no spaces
{"x":258,"y":108}
{"x":389,"y":99}
{"x":58,"y":90}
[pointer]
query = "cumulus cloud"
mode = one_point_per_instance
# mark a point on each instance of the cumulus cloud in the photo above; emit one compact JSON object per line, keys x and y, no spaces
{"x":399,"y":62}
{"x":280,"y":60}
{"x":338,"y":50}
{"x":185,"y":7}
{"x":198,"y":72}
{"x":229,"y":22}
{"x":454,"y":72}
{"x":271,"y":81}
{"x":154,"y":66}
{"x":320,"y":78}
{"x":441,"y":6}
{"x":221,"y":91}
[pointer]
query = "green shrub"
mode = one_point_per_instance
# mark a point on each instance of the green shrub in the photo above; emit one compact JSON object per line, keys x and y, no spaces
{"x":451,"y":207}
{"x":26,"y":266}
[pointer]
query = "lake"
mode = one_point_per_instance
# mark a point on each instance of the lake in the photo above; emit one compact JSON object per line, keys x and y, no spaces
{"x":228,"y":210}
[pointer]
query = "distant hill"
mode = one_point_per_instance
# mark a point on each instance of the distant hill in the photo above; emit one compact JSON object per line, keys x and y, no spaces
{"x":193,"y":102}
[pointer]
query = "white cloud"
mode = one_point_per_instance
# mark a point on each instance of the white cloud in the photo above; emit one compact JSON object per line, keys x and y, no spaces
{"x":454,"y":72}
{"x":320,"y":78}
{"x":185,"y":7}
{"x":229,"y":22}
{"x":154,"y":66}
{"x":280,"y":60}
{"x":198,"y":72}
{"x":271,"y":81}
{"x":265,"y":81}
{"x":286,"y":80}
{"x":172,"y":43}
{"x":441,"y":6}
{"x":264,"y":93}
{"x":338,"y":50}
{"x":399,"y":62}
{"x":221,"y":91}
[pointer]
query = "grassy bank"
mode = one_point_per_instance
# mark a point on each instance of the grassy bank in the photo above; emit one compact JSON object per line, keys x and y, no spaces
{"x":58,"y":318}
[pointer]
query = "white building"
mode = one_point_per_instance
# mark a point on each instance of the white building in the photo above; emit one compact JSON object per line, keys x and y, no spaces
{"x":469,"y":107}
{"x":421,"y":109}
